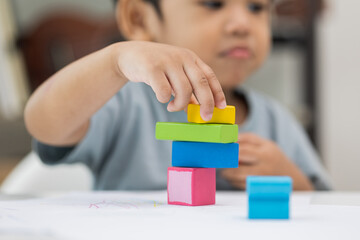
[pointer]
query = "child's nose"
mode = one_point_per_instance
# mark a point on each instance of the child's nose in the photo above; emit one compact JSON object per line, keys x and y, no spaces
{"x":238,"y":23}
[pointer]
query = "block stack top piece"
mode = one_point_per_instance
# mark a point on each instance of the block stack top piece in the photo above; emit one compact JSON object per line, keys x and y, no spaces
{"x":225,"y":116}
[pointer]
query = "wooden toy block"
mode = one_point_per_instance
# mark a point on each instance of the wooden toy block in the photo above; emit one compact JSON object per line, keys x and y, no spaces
{"x":226,"y":115}
{"x":191,"y":186}
{"x":205,"y":155}
{"x":268,"y":196}
{"x":269,"y":186}
{"x":269,"y":209}
{"x":194,"y":132}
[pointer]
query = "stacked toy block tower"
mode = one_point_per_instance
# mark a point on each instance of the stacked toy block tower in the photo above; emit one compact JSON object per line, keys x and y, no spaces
{"x":198,"y":148}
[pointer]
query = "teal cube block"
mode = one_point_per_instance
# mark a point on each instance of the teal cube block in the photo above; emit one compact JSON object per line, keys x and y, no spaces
{"x":269,"y":197}
{"x":269,"y":208}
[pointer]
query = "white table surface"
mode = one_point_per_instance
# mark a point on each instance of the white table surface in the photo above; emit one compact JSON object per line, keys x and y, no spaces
{"x":146,"y":215}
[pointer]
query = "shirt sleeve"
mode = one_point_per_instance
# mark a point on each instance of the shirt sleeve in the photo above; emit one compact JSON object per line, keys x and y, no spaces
{"x":293,"y":140}
{"x":95,"y":146}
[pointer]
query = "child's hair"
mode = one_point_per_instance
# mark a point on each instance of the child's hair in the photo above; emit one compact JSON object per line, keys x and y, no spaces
{"x":155,"y":3}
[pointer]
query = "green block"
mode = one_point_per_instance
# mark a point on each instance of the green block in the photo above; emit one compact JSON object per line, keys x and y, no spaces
{"x":196,"y":132}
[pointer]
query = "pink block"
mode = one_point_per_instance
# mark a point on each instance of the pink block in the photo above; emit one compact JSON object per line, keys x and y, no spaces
{"x":191,"y":186}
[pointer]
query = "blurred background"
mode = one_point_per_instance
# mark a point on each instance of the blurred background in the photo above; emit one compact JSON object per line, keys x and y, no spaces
{"x":313,"y":69}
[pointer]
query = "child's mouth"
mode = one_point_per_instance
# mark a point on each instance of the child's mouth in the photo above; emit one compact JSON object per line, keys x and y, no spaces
{"x":237,"y":53}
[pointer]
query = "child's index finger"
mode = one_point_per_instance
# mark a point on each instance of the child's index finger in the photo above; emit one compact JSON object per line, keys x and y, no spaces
{"x":215,"y":86}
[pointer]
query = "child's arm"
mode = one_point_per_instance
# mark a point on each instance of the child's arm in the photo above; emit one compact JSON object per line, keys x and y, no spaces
{"x":59,"y":112}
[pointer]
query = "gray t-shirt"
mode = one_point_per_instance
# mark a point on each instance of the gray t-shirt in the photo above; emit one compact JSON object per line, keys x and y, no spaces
{"x":121,"y":150}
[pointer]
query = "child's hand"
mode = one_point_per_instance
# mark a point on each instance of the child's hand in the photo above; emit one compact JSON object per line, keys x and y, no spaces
{"x":172,"y":71}
{"x":258,"y":156}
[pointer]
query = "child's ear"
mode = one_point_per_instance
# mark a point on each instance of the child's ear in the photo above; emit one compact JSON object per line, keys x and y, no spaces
{"x":134,"y":18}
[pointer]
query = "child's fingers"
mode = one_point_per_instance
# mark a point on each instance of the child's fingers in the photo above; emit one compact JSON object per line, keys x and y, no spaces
{"x":219,"y":96}
{"x":231,"y":174}
{"x":193,"y":100}
{"x":250,"y":138}
{"x":248,"y":159}
{"x":202,"y":90}
{"x":235,"y":177}
{"x":161,"y":86}
{"x":241,"y":185}
{"x":182,"y":89}
{"x":248,"y":153}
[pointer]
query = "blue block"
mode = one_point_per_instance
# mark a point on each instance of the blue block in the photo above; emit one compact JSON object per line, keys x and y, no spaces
{"x":269,"y":196}
{"x":268,"y":208}
{"x":269,"y":186}
{"x":205,"y":155}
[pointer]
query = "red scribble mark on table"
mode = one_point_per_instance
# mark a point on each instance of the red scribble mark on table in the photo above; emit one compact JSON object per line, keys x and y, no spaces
{"x":104,"y":204}
{"x":96,"y":205}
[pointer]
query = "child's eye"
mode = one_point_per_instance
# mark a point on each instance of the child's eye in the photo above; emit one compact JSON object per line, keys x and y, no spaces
{"x":213,"y":5}
{"x":256,"y":7}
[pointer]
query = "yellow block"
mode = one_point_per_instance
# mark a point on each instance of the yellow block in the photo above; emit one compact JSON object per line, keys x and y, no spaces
{"x":226,"y":115}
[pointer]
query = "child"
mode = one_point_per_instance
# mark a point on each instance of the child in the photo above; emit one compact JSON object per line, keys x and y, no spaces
{"x":102,"y":109}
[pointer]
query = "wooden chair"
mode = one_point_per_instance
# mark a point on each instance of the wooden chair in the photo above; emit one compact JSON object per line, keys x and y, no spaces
{"x":61,"y":38}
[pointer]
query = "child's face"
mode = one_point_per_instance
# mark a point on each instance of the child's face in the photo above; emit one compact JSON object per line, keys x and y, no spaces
{"x":231,"y":36}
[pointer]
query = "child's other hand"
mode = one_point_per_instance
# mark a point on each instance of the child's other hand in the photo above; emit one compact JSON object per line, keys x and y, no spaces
{"x":173,"y":71}
{"x":258,"y":156}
